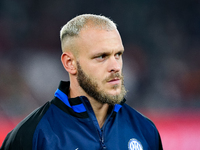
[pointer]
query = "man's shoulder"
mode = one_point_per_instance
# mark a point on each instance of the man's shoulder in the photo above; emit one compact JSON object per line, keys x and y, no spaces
{"x":136,"y":116}
{"x":141,"y":123}
{"x":21,"y":136}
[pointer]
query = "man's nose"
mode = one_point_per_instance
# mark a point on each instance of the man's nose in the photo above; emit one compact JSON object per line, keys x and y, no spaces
{"x":114,"y":65}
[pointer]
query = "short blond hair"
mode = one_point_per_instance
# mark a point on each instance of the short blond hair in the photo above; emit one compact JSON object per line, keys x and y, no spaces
{"x":75,"y":25}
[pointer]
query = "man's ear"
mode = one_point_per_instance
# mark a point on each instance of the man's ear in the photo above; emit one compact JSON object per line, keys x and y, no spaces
{"x":69,"y":62}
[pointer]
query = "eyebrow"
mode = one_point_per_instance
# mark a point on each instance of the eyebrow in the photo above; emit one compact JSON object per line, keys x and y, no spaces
{"x":107,"y":53}
{"x":101,"y":53}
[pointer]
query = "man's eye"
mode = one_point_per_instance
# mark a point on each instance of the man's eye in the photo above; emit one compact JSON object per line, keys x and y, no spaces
{"x":118,"y":55}
{"x":101,"y":57}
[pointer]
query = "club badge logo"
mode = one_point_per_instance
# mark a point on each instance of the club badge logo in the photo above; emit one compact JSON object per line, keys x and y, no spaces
{"x":134,"y":144}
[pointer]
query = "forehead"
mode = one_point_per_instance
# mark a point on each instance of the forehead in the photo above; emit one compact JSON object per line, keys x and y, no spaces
{"x":94,"y":40}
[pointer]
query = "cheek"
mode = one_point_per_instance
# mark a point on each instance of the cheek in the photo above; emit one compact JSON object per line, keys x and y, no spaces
{"x":97,"y":76}
{"x":95,"y":71}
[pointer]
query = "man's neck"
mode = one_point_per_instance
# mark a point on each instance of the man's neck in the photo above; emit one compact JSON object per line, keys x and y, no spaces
{"x":99,"y":109}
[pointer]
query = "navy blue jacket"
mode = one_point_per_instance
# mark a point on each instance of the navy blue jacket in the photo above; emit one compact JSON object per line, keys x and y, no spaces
{"x":70,"y":124}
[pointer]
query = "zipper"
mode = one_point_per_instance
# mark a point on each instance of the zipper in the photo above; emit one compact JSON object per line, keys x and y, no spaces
{"x":103,"y":129}
{"x":102,"y":140}
{"x":100,"y":131}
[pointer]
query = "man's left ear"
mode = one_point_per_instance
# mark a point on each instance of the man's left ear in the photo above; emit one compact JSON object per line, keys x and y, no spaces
{"x":69,"y":62}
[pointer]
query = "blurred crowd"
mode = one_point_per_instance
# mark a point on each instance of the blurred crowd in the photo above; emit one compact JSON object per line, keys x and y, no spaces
{"x":161,"y":59}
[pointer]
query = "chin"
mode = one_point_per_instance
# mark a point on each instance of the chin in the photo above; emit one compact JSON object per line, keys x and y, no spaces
{"x":115,"y":92}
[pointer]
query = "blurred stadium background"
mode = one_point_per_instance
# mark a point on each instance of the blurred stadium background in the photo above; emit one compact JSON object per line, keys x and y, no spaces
{"x":161,"y":60}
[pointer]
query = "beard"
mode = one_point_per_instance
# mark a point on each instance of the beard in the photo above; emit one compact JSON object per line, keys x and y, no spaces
{"x":90,"y":86}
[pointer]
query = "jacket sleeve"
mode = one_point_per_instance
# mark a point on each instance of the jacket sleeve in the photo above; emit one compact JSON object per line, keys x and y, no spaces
{"x":21,"y":137}
{"x":160,"y":143}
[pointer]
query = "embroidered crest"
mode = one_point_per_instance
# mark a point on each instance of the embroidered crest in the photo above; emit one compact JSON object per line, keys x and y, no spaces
{"x":134,"y":144}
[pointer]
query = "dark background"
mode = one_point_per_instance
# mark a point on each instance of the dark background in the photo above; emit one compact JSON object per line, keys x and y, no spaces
{"x":161,"y":59}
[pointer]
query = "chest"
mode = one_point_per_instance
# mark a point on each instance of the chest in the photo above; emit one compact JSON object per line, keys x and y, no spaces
{"x":81,"y":134}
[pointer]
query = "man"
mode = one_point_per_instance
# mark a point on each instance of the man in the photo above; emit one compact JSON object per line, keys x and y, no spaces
{"x":89,"y":112}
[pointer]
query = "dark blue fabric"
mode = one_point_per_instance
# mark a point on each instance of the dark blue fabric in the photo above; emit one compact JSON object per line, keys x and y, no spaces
{"x":59,"y":130}
{"x":117,"y":107}
{"x":63,"y":97}
{"x":70,"y":124}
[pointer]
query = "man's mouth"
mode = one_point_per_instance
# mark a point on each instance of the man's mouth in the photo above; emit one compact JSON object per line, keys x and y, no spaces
{"x":114,"y":81}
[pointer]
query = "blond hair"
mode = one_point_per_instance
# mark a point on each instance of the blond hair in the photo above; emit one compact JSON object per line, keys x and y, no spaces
{"x":72,"y":29}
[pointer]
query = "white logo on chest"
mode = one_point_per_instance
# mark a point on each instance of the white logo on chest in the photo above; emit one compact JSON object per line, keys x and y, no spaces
{"x":134,"y":144}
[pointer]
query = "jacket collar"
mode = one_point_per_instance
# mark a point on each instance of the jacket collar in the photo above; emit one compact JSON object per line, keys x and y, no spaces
{"x":74,"y":106}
